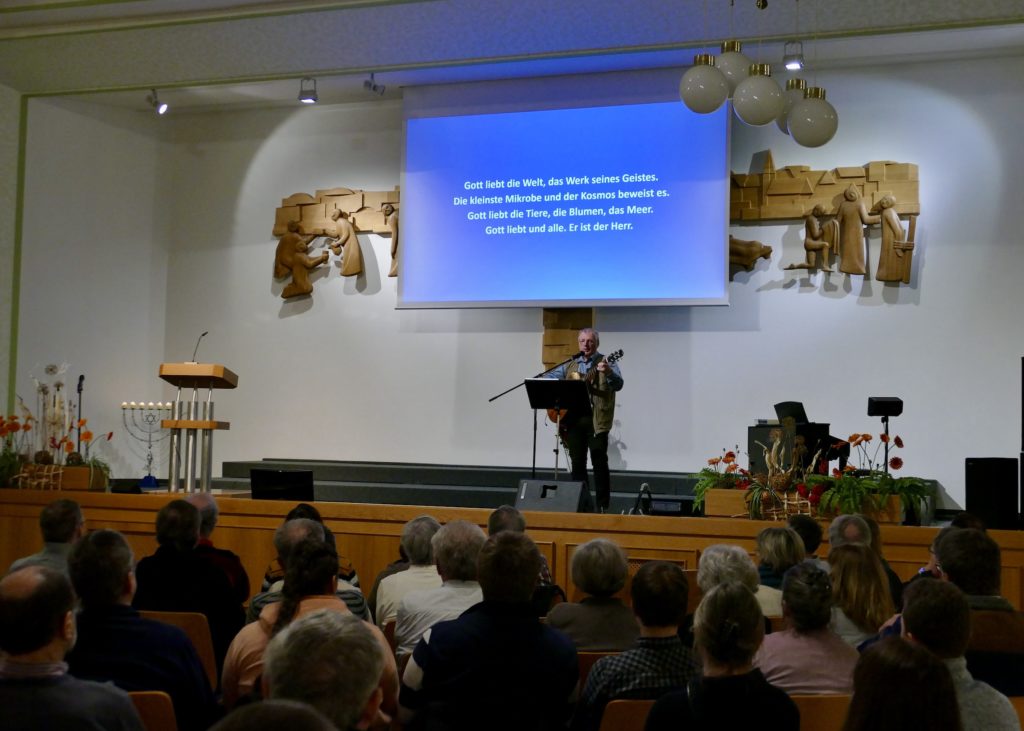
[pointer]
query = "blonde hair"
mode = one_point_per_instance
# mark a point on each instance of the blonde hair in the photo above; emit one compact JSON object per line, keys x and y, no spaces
{"x":859,"y":586}
{"x":780,"y":548}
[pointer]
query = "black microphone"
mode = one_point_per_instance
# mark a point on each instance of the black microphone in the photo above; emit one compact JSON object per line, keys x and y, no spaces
{"x":578,"y":355}
{"x":197,"y":346}
{"x":81,"y":380}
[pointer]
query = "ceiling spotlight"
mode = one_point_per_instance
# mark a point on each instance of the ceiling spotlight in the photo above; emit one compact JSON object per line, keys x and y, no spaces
{"x":154,"y":101}
{"x":373,"y":87}
{"x":793,"y":55}
{"x":307,"y":91}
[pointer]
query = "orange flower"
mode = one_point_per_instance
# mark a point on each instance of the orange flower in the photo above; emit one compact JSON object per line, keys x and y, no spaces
{"x":836,"y":472}
{"x":12,"y":417}
{"x":852,"y":437}
{"x":729,"y":457}
{"x":714,"y":460}
{"x":87,"y":436}
{"x":895,"y":463}
{"x":69,"y":447}
{"x":731,"y":468}
{"x":849,"y":468}
{"x":81,"y":423}
{"x":884,"y":438}
{"x":865,"y":437}
{"x":898,"y":442}
{"x":3,"y":430}
{"x":26,"y":426}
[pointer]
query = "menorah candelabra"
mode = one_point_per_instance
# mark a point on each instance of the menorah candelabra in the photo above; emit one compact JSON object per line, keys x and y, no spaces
{"x":144,"y":426}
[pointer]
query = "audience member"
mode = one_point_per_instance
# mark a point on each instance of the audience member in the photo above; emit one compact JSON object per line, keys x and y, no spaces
{"x":274,"y":574}
{"x":963,"y":519}
{"x":658,"y":661}
{"x":899,"y":686}
{"x":392,"y":568}
{"x":496,"y":666}
{"x":807,"y":657}
{"x":932,"y":570}
{"x":506,"y":517}
{"x":334,"y":663}
{"x":37,"y":628}
{"x":273,"y":715}
{"x":176,"y":579}
{"x":117,"y":645}
{"x":227,"y":561}
{"x":732,"y":693}
{"x":288,"y":535}
{"x":456,"y":548}
{"x":61,"y":524}
{"x":600,"y":621}
{"x":894,"y":581}
{"x":860,"y":593}
{"x":421,"y":574}
{"x":810,"y":532}
{"x":778,"y":549}
{"x":846,"y":529}
{"x":970,"y":559}
{"x":937,"y":617}
{"x":723,"y":562}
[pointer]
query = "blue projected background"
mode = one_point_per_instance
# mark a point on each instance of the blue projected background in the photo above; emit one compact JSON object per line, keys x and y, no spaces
{"x":601,"y":205}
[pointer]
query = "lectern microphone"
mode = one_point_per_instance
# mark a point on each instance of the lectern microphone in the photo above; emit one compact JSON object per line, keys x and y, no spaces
{"x":197,"y":346}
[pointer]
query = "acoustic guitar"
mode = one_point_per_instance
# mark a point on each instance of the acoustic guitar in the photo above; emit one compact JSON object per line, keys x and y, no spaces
{"x":558,"y":415}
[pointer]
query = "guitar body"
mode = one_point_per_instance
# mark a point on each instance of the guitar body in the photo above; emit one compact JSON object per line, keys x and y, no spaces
{"x":559,"y":416}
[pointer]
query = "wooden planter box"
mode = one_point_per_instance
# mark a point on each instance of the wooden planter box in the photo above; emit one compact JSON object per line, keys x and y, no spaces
{"x":725,"y":503}
{"x":78,"y":478}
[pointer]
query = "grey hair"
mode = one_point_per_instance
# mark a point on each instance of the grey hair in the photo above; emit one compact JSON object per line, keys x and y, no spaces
{"x":291,"y":533}
{"x":780,"y":548}
{"x":330,"y":660}
{"x":208,"y":512}
{"x":599,"y":567}
{"x":456,"y":549}
{"x":416,"y":537}
{"x":724,"y":562}
{"x":592,"y":331}
{"x":837,"y":531}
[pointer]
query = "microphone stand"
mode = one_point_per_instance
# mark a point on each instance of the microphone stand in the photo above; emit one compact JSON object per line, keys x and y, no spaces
{"x":567,"y":361}
{"x":81,"y":382}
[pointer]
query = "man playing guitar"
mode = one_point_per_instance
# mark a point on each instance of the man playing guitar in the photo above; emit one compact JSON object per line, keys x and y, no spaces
{"x":583,"y":435}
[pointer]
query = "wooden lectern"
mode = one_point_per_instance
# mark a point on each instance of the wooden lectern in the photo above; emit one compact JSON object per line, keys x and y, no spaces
{"x":191,"y":418}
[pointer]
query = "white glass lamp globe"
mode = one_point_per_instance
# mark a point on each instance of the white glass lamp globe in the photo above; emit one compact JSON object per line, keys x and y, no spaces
{"x":703,"y":88}
{"x":794,"y":93}
{"x":813,"y":121}
{"x":758,"y":99}
{"x":733,"y":64}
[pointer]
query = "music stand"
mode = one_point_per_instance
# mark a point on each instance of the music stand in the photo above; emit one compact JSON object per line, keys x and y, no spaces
{"x":552,"y":393}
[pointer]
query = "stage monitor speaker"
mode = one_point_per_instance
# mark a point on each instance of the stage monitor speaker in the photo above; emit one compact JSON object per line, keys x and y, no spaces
{"x":991,"y":484}
{"x":554,"y":497}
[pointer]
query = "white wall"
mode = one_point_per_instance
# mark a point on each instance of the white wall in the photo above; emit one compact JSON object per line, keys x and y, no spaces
{"x":346,"y":376}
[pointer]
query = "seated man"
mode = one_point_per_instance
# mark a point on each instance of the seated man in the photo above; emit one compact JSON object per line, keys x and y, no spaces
{"x":287,"y":536}
{"x":658,"y":661}
{"x":274,"y":574}
{"x":61,"y":524}
{"x":496,"y":666}
{"x":417,"y":535}
{"x":227,"y":561}
{"x":456,"y":548}
{"x":936,"y":615}
{"x":175,"y":579}
{"x":334,"y":663}
{"x":37,"y":628}
{"x":115,"y":644}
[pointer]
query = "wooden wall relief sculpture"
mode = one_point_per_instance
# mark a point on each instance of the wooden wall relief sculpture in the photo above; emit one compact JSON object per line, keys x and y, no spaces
{"x":345,"y":239}
{"x":744,"y":254}
{"x":819,"y":240}
{"x":897,"y":247}
{"x":291,"y":259}
{"x":391,"y":217}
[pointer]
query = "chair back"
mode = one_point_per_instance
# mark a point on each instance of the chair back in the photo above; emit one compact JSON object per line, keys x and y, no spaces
{"x":822,"y":712}
{"x":197,"y":628}
{"x":625,"y":715}
{"x":586,"y":661}
{"x":155,"y":709}
{"x":777,"y":624}
{"x":1018,"y":706}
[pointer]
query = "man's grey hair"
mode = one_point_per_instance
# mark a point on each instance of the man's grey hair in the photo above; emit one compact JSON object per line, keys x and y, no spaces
{"x":208,"y":512}
{"x":416,"y":537}
{"x":844,"y":524}
{"x":456,"y":549}
{"x":330,"y":660}
{"x":723,"y":562}
{"x":292,"y":532}
{"x":599,"y":567}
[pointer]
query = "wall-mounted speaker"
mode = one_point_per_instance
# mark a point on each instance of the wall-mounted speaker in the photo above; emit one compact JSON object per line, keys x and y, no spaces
{"x":992,"y":490}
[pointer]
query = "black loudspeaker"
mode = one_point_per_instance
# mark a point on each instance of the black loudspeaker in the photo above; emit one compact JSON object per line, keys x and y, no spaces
{"x":991,"y":484}
{"x":554,"y":497}
{"x":884,"y":406}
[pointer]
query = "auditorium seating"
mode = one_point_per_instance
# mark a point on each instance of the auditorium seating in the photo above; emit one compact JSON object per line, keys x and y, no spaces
{"x":155,"y":709}
{"x":196,"y":626}
{"x":822,"y":712}
{"x":625,"y":715}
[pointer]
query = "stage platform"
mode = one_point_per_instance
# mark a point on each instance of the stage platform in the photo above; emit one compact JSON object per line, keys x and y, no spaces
{"x":395,"y":483}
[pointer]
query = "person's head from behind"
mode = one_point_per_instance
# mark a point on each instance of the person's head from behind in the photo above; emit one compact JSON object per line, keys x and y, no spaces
{"x":859,"y":585}
{"x":456,"y":548}
{"x":274,"y":714}
{"x":208,"y":512}
{"x":599,"y":567}
{"x":899,"y":686}
{"x":809,"y":531}
{"x":936,"y":615}
{"x":724,"y":562}
{"x":177,"y":526}
{"x":309,"y":512}
{"x":971,"y":559}
{"x":312,"y":570}
{"x":506,"y":518}
{"x":331,"y":661}
{"x":293,"y":532}
{"x":807,"y":597}
{"x":659,"y":592}
{"x":508,"y":567}
{"x":963,"y":519}
{"x":728,"y":627}
{"x":874,"y":531}
{"x":848,"y":529}
{"x":779,"y":548}
{"x":36,"y":614}
{"x":417,"y":535}
{"x":61,"y":522}
{"x":100,"y":567}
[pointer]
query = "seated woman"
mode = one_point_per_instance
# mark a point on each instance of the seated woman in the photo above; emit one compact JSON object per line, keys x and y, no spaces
{"x":861,"y":602}
{"x":724,"y":562}
{"x":778,"y":549}
{"x":600,"y":622}
{"x":807,"y":657}
{"x":731,"y":694}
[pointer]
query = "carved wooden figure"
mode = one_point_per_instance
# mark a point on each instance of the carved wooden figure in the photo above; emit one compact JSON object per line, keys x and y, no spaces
{"x":852,"y":217}
{"x":391,"y":216}
{"x":897,"y":250}
{"x":291,"y":258}
{"x":745,"y":254}
{"x":345,"y":239}
{"x":818,"y":240}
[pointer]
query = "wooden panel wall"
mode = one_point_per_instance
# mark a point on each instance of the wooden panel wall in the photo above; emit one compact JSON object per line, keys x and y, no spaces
{"x":369,"y":534}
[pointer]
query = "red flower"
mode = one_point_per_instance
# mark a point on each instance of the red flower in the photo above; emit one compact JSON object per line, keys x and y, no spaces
{"x":802,"y":490}
{"x":742,"y":484}
{"x":895,"y":463}
{"x":814,"y":499}
{"x":817,"y":490}
{"x":884,"y":438}
{"x":836,"y":472}
{"x":898,"y":442}
{"x":729,"y":457}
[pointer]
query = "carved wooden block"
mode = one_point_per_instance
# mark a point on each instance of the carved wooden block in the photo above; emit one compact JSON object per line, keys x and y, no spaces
{"x":313,"y":211}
